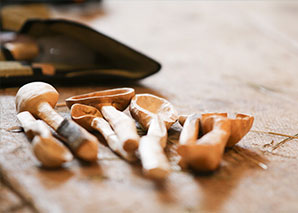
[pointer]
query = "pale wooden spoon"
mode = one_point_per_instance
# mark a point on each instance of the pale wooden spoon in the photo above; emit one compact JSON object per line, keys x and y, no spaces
{"x":90,"y":118}
{"x":111,"y":103}
{"x":155,"y":115}
{"x":48,"y":150}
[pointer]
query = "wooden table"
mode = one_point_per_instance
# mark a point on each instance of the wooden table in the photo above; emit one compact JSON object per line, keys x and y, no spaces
{"x":217,"y":57}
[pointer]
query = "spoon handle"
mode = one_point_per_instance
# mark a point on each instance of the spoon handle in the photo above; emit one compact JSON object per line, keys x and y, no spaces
{"x":109,"y":135}
{"x":158,"y":128}
{"x":124,"y":127}
{"x":190,"y":131}
{"x":80,"y":141}
{"x":154,"y":160}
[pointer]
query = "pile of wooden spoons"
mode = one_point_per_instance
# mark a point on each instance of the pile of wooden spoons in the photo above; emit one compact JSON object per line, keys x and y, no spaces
{"x":201,"y":144}
{"x":38,"y":99}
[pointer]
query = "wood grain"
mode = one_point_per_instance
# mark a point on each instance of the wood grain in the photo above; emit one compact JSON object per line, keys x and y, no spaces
{"x":217,"y":57}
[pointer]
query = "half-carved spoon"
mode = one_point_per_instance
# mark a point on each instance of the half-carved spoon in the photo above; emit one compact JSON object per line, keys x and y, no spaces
{"x":91,"y":119}
{"x":39,"y":98}
{"x":218,"y":131}
{"x":156,"y":115}
{"x":111,"y":103}
{"x":47,"y":149}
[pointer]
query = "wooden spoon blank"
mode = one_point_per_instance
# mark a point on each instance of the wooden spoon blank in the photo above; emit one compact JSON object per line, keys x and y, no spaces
{"x":156,"y":115}
{"x":207,"y":153}
{"x":109,"y":102}
{"x":154,"y":161}
{"x":90,"y":118}
{"x":39,"y":99}
{"x":48,"y":150}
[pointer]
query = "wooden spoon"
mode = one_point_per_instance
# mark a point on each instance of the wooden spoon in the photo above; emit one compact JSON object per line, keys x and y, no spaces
{"x":90,"y":118}
{"x":48,"y":150}
{"x":155,"y":115}
{"x":39,"y":98}
{"x":218,"y":131}
{"x":111,"y":103}
{"x":206,"y":153}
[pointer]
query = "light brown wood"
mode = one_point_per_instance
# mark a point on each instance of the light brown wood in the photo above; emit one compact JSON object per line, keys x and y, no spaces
{"x":90,"y":118}
{"x":240,"y":126}
{"x":48,"y":150}
{"x":207,"y":153}
{"x":190,"y":148}
{"x":154,"y":162}
{"x":111,"y":103}
{"x":39,"y":99}
{"x":118,"y":98}
{"x":156,"y":115}
{"x":46,"y":69}
{"x":217,"y":56}
{"x":190,"y":131}
{"x":22,"y":50}
{"x":144,"y":108}
{"x":124,"y":126}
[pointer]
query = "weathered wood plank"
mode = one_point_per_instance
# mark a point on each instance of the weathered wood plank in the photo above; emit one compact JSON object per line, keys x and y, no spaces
{"x":216,"y":57}
{"x":8,"y":200}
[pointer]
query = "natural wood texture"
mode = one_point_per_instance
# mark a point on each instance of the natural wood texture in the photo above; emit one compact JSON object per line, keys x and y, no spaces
{"x":8,"y":200}
{"x":39,"y":98}
{"x":190,"y":131}
{"x":156,"y":115}
{"x":51,"y":152}
{"x":206,"y":153}
{"x":154,"y":161}
{"x":111,"y":103}
{"x":217,"y":56}
{"x":90,"y":118}
{"x":22,"y":50}
{"x":145,"y":107}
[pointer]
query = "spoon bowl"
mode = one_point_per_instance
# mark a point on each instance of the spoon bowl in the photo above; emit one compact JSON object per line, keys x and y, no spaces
{"x":91,"y":119}
{"x":84,"y":115}
{"x":156,"y":115}
{"x":118,"y":98}
{"x":145,"y":107}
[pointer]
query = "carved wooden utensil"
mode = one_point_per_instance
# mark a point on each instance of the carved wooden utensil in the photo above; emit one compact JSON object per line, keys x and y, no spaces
{"x":155,"y":115}
{"x":48,"y":150}
{"x":90,"y":118}
{"x":218,"y":131}
{"x":111,"y":103}
{"x":39,"y":98}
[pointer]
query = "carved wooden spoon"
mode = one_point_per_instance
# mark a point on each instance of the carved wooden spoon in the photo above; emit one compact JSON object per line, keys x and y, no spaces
{"x":218,"y":131}
{"x":48,"y":150}
{"x":155,"y":115}
{"x":111,"y":103}
{"x":39,"y":98}
{"x":90,"y":118}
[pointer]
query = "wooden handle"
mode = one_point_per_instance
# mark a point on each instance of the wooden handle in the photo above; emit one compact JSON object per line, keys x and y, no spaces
{"x":124,"y":127}
{"x":207,"y":153}
{"x":190,"y":131}
{"x":22,"y":50}
{"x":158,"y":129}
{"x":48,"y":150}
{"x":154,"y":160}
{"x":81,"y":142}
{"x":49,"y":115}
{"x":114,"y":143}
{"x":31,"y":126}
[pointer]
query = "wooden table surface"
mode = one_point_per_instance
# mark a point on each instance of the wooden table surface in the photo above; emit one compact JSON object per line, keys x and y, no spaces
{"x":217,"y":56}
